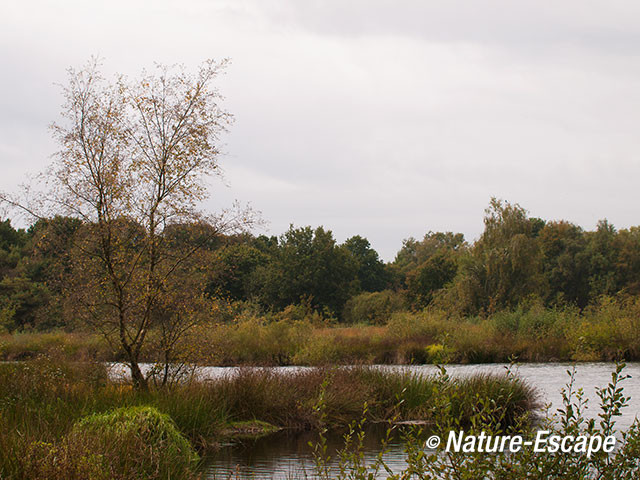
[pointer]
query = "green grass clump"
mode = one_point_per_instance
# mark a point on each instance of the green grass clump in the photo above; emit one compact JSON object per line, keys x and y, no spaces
{"x":137,"y":440}
{"x":248,"y":429}
{"x":127,"y":443}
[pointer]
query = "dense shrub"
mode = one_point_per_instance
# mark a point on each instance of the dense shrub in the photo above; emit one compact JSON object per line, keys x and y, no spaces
{"x":127,"y":443}
{"x":373,"y":308}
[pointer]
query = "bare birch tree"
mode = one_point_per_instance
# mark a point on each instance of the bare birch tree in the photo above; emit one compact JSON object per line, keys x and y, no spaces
{"x":134,"y":160}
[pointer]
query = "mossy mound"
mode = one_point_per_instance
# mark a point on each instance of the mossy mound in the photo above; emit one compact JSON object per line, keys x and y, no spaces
{"x":125,"y":444}
{"x":136,"y":441}
{"x":248,"y":429}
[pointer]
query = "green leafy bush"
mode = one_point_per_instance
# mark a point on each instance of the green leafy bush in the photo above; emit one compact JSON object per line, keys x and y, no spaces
{"x":126,"y":443}
{"x":373,"y":308}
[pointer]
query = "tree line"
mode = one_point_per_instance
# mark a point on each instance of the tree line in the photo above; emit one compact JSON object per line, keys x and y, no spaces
{"x":516,"y":257}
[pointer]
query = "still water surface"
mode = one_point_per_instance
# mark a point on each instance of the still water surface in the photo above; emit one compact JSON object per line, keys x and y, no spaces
{"x":285,"y":455}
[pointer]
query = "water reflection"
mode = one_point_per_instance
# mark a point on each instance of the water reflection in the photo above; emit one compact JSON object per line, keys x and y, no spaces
{"x":287,"y":455}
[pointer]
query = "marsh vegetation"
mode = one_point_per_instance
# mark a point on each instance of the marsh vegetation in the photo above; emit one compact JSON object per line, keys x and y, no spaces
{"x":70,"y":420}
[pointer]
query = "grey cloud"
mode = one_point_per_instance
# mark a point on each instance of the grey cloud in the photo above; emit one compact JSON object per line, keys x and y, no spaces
{"x":385,"y":119}
{"x":609,"y":25}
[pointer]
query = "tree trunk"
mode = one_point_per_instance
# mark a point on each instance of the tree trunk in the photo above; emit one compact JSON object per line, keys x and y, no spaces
{"x":139,"y":382}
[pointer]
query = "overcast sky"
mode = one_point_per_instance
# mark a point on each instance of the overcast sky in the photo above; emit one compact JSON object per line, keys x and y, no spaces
{"x":380,"y":118}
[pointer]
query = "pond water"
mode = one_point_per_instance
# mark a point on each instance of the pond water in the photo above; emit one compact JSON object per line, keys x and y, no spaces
{"x":285,"y":455}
